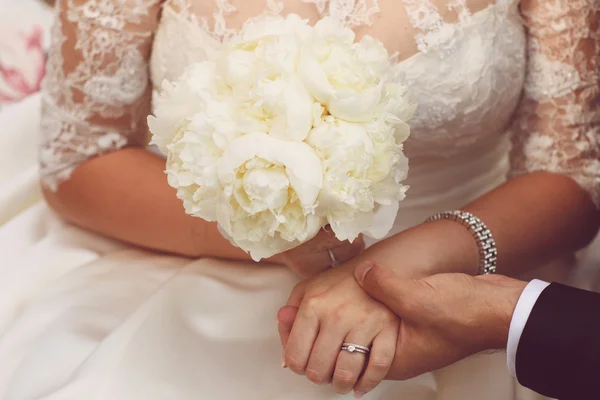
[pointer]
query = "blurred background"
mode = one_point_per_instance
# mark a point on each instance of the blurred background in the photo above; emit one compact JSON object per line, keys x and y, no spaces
{"x":24,"y":39}
{"x":24,"y":35}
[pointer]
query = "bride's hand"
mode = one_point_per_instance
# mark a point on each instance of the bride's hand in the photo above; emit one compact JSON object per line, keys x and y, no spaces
{"x":333,"y":309}
{"x":312,"y":257}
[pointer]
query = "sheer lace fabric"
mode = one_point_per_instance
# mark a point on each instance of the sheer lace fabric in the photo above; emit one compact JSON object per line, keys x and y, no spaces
{"x":557,"y":126}
{"x":97,"y":91}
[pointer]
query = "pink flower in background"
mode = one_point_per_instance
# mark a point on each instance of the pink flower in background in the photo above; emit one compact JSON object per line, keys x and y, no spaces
{"x":22,"y":64}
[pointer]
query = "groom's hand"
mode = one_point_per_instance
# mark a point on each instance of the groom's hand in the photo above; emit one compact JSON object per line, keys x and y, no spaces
{"x":445,"y":318}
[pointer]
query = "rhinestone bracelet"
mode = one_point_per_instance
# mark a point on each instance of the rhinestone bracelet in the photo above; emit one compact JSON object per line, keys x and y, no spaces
{"x":488,"y":254}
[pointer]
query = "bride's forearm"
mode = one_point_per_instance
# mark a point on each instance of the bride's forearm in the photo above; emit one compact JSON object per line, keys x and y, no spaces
{"x":125,"y":195}
{"x":534,"y":218}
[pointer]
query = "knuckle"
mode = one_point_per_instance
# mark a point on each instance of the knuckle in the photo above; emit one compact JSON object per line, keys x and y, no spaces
{"x":380,"y":362}
{"x":316,"y":376}
{"x":313,"y":303}
{"x":386,"y":316}
{"x":344,"y":313}
{"x":339,"y":314}
{"x":321,"y":307}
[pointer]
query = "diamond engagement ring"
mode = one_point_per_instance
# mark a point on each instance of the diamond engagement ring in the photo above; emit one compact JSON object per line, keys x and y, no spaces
{"x":334,"y":261}
{"x":355,"y":348}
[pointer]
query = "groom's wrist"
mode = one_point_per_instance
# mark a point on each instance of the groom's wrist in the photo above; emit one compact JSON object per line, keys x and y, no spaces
{"x":504,"y":301}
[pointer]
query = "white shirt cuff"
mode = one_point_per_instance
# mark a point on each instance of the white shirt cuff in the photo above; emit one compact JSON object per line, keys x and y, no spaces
{"x":520,"y":316}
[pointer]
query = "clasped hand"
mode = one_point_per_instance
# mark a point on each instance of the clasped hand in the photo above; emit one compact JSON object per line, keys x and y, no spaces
{"x":444,"y":318}
{"x":326,"y":311}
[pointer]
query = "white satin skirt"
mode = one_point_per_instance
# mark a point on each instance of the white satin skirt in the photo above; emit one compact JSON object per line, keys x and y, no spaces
{"x":85,"y":317}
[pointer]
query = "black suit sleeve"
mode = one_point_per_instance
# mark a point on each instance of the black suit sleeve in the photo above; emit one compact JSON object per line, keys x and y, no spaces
{"x":559,"y":351}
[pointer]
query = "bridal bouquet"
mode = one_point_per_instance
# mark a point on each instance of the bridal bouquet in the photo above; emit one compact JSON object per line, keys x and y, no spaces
{"x":287,"y":128}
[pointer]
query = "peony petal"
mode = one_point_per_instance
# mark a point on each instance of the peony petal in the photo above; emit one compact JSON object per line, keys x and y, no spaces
{"x":401,"y":170}
{"x":351,"y":225}
{"x":274,"y":26}
{"x":258,"y":251}
{"x":302,"y":163}
{"x":299,"y":107}
{"x":238,"y":66}
{"x":383,"y":220}
{"x":177,"y":102}
{"x":275,"y":244}
{"x":295,"y":112}
{"x":224,"y":214}
{"x":401,"y":131}
{"x":199,"y":77}
{"x":355,"y":107}
{"x":329,"y":28}
{"x":314,"y":78}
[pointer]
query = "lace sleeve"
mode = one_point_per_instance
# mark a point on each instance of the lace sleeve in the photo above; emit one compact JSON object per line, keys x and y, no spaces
{"x":96,"y":93}
{"x":557,"y":126}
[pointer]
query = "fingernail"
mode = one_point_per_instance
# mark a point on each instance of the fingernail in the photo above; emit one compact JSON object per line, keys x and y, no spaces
{"x":283,"y":364}
{"x":358,"y":395}
{"x":363,"y":269}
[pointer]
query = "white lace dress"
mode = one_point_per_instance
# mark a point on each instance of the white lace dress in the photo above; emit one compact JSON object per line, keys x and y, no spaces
{"x":85,"y":317}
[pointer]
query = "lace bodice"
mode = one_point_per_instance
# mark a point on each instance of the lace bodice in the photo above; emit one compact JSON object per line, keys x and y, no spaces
{"x":470,"y":64}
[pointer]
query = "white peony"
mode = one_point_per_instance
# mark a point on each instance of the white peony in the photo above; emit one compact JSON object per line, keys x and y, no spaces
{"x":287,"y":128}
{"x":346,"y":77}
{"x":180,"y":101}
{"x":260,"y":68}
{"x":269,"y":193}
{"x":363,"y":171}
